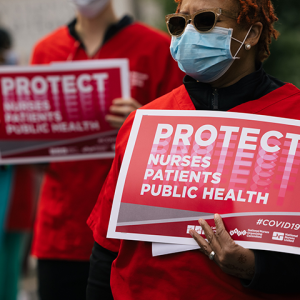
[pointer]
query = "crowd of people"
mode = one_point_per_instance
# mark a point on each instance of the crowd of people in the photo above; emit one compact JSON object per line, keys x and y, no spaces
{"x":214,"y":45}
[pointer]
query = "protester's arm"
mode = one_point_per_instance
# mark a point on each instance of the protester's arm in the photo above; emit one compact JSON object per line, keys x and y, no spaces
{"x":99,"y":274}
{"x":105,"y":249}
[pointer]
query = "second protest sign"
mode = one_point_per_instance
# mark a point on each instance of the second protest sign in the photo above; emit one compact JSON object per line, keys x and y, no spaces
{"x":57,"y":112}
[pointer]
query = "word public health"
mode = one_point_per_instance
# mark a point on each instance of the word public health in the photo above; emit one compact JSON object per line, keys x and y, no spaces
{"x":27,"y":109}
{"x":176,"y":170}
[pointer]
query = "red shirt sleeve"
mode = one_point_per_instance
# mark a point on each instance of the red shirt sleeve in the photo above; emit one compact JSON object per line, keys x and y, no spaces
{"x":99,"y":218}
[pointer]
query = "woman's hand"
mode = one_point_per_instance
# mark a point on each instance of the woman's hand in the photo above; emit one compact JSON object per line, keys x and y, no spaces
{"x":231,"y":258}
{"x":120,"y":109}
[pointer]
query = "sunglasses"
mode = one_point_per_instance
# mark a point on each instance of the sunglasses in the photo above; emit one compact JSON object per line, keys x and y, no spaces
{"x":203,"y":20}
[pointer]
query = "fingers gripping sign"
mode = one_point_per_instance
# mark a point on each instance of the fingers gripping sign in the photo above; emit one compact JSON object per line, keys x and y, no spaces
{"x":220,"y":247}
{"x":120,"y":110}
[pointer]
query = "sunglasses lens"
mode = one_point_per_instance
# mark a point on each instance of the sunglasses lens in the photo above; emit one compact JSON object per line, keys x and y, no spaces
{"x":176,"y":25}
{"x":204,"y":21}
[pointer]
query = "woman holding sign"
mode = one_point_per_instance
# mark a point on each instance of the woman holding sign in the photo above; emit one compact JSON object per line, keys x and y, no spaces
{"x":62,"y":240}
{"x":220,"y":45}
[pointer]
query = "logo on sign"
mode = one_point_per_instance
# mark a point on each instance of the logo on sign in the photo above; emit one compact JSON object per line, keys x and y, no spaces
{"x":237,"y":232}
{"x":278,"y":236}
{"x":198,"y":229}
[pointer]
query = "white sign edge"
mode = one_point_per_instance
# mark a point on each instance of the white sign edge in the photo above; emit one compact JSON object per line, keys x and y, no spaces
{"x":111,"y":233}
{"x":122,"y":174}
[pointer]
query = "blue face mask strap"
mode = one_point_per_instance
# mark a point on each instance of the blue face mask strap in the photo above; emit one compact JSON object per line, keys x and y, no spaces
{"x":242,"y":43}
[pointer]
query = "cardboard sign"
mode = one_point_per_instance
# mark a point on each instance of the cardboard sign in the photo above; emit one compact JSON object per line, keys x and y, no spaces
{"x":57,"y":112}
{"x":183,"y":165}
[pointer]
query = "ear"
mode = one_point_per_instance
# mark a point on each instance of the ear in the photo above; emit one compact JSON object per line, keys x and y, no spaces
{"x":254,"y":34}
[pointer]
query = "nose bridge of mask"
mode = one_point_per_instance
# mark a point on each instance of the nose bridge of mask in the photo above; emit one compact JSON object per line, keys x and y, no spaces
{"x":219,"y":30}
{"x":226,"y":32}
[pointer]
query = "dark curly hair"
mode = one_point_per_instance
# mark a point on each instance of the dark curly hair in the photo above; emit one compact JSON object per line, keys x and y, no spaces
{"x":252,"y":11}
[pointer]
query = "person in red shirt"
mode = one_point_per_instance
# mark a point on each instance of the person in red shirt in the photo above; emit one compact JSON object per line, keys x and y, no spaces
{"x":62,"y":240}
{"x":215,"y":80}
{"x":16,"y":205}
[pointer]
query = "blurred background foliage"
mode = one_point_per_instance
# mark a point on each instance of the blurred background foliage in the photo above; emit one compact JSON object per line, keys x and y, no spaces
{"x":284,"y":62}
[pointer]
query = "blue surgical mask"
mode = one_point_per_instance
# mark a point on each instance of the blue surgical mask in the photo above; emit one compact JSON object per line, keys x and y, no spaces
{"x":204,"y":56}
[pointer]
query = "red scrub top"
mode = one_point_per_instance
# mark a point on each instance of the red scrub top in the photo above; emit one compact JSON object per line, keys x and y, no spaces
{"x":70,"y":189}
{"x":135,"y":273}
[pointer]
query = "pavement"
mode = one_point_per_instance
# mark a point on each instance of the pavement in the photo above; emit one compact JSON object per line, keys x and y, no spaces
{"x":28,"y":282}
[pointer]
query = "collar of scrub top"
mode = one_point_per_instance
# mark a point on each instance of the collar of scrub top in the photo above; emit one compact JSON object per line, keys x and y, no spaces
{"x":110,"y":32}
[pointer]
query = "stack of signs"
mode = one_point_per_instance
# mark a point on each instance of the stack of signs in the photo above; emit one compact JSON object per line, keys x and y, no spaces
{"x":57,"y":112}
{"x":183,"y":165}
